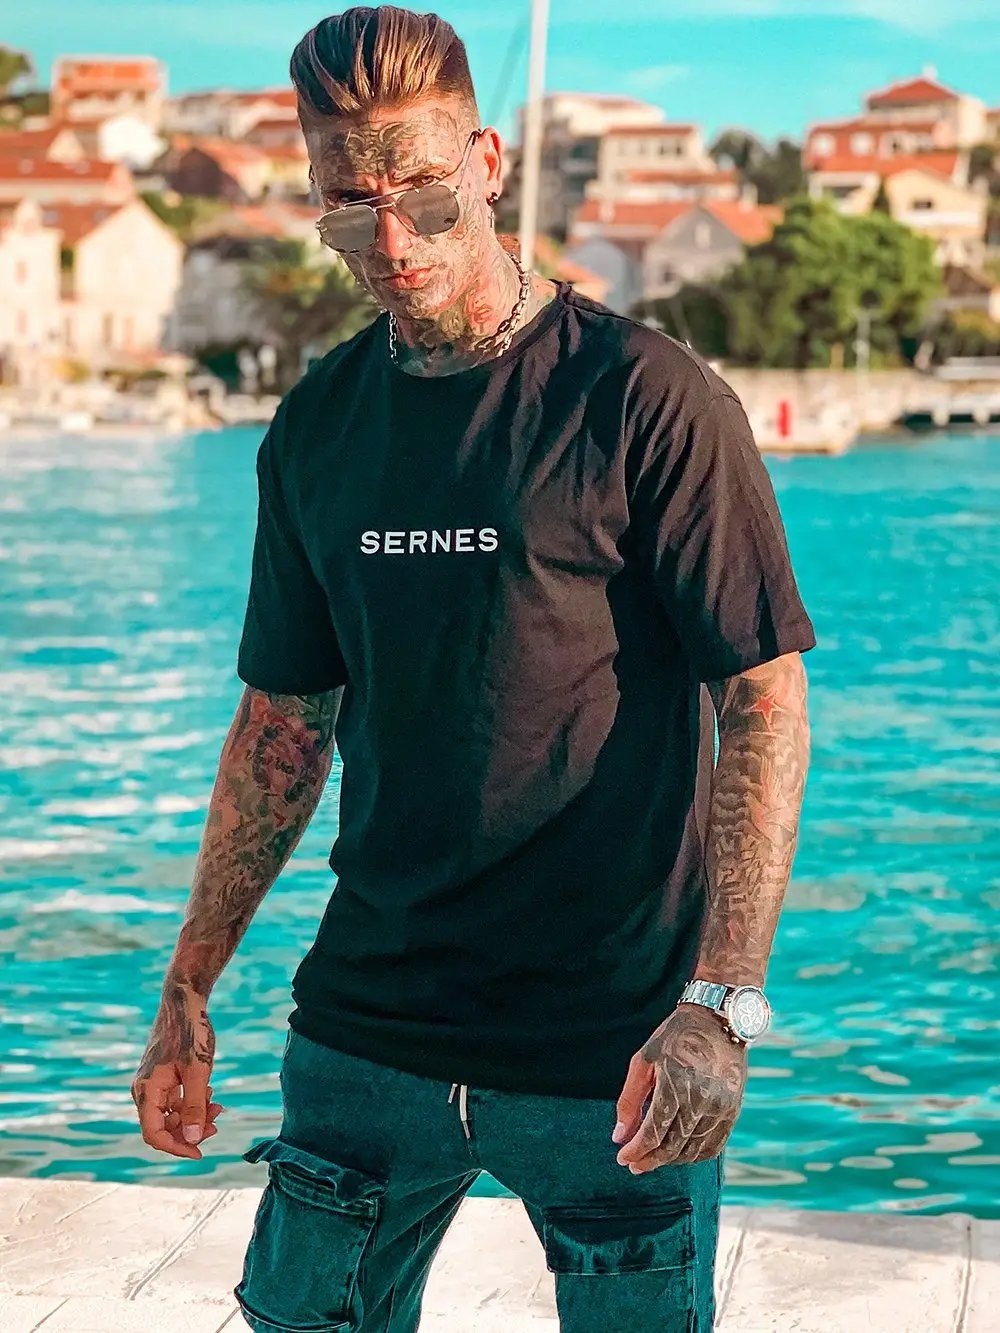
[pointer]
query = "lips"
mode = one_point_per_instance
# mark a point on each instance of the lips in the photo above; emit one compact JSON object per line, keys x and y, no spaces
{"x":415,"y":277}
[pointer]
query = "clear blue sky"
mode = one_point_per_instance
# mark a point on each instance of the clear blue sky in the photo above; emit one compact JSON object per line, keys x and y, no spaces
{"x":771,"y":65}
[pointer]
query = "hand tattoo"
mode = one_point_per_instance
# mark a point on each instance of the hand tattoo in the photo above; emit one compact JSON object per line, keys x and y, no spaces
{"x":698,"y":1075}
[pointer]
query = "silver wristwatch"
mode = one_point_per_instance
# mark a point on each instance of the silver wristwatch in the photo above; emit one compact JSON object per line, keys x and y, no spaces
{"x":744,"y":1009}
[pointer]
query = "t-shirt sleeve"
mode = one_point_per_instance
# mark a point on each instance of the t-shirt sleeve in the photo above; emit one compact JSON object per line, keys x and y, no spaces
{"x":711,"y":534}
{"x":288,"y":645}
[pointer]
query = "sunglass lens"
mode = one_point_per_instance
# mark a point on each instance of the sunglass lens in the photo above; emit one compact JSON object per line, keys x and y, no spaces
{"x":350,"y":228}
{"x":431,"y":209}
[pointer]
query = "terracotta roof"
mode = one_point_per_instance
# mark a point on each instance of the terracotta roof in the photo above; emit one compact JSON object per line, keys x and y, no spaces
{"x":106,"y":73}
{"x":650,"y":216}
{"x":939,"y":164}
{"x":75,"y":221}
{"x":650,"y":131}
{"x":912,"y":90}
{"x":17,"y":166}
{"x":752,"y":223}
{"x":872,"y":124}
{"x":230,"y":155}
{"x":29,"y":143}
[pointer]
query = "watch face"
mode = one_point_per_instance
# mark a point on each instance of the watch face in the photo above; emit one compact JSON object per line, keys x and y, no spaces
{"x":748,"y":1013}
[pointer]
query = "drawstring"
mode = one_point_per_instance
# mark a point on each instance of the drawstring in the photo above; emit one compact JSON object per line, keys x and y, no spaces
{"x":463,"y":1105}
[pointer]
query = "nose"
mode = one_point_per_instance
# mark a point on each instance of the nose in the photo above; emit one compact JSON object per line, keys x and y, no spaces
{"x":393,"y":238}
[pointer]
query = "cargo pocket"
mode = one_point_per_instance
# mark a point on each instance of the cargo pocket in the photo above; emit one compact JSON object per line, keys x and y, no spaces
{"x":313,"y":1223}
{"x":647,"y":1246}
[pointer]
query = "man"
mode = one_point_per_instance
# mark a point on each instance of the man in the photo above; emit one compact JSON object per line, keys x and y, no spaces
{"x":511,"y":549}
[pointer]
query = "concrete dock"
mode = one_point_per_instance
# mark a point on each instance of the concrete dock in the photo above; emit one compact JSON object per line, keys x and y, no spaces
{"x":82,"y":1257}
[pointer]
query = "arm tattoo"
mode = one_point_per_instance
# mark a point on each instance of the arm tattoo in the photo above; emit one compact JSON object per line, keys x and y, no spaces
{"x":275,"y":763}
{"x":757,"y":790}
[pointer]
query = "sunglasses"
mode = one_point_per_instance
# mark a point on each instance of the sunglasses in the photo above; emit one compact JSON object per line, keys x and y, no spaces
{"x":427,"y":210}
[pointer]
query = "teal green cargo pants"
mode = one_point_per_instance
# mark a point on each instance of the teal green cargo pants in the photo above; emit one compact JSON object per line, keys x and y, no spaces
{"x":371,"y":1164}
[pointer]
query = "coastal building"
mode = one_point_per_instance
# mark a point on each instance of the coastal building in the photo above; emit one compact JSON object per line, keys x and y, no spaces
{"x":218,"y":168}
{"x":704,"y":241}
{"x":912,"y":117}
{"x":90,"y":88}
{"x":29,"y":280}
{"x":647,"y":249}
{"x":913,"y":141}
{"x":287,"y":172}
{"x":227,"y":113}
{"x":86,"y":181}
{"x":968,"y":290}
{"x":123,"y":137}
{"x":573,"y":125}
{"x":667,"y":161}
{"x":120,"y":269}
{"x":211,"y":306}
{"x":953,"y":216}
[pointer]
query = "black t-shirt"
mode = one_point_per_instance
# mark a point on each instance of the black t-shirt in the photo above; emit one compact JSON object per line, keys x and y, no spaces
{"x":520,"y":573}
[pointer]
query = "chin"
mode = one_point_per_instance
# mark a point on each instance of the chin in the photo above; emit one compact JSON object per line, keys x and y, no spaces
{"x":425,"y":302}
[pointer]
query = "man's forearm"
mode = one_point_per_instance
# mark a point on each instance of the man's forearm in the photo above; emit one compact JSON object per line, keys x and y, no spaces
{"x":274,"y":765}
{"x":757,"y":790}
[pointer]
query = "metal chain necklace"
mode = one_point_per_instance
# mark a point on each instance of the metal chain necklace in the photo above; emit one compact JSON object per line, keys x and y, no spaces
{"x":504,"y":331}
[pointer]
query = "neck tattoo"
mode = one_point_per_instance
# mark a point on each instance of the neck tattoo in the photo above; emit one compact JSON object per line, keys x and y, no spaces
{"x":496,"y":343}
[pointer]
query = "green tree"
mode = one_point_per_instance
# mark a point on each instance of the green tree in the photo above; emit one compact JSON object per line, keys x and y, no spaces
{"x":984,"y":161}
{"x":305,"y":301}
{"x":14,"y":65}
{"x":776,"y":173}
{"x":737,"y":149}
{"x":780,"y":176}
{"x":183,"y":214}
{"x":795,"y":298}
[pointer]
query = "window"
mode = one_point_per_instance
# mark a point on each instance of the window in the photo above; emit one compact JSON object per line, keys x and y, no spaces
{"x":702,"y":235}
{"x":823,"y":144}
{"x":922,"y":205}
{"x":862,"y":144}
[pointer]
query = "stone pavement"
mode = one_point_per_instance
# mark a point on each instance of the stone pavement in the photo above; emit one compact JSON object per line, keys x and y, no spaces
{"x":82,"y":1257}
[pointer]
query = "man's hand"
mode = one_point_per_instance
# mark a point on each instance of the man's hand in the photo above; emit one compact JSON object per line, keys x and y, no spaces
{"x":171,"y":1088}
{"x":693,"y":1074}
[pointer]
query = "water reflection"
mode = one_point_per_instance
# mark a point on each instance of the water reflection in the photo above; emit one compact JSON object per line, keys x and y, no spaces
{"x":125,"y":567}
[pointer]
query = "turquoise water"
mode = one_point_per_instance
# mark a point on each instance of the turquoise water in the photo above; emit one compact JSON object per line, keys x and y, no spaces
{"x":123,"y":580}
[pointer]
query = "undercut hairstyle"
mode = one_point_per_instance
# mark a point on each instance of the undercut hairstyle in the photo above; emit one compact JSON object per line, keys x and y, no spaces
{"x":350,"y":63}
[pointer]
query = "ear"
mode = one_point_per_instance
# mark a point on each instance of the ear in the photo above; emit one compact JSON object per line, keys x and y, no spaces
{"x":492,"y":148}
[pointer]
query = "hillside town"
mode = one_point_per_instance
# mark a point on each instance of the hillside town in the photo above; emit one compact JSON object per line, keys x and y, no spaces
{"x":136,"y":228}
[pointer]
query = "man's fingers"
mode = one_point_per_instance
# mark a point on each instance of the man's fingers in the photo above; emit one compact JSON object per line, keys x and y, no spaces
{"x":160,"y":1093}
{"x":194,"y":1107}
{"x":680,"y":1149}
{"x":650,"y":1134}
{"x":629,"y":1108}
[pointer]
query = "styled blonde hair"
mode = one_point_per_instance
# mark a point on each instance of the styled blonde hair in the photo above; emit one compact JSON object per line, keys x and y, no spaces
{"x":352,"y":62}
